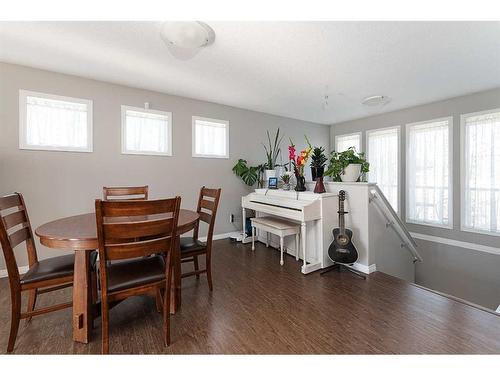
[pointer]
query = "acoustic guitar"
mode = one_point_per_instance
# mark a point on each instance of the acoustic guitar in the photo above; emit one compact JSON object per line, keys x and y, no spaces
{"x":342,"y":250}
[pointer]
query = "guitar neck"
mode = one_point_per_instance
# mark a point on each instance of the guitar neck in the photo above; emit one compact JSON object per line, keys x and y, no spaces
{"x":341,"y":217}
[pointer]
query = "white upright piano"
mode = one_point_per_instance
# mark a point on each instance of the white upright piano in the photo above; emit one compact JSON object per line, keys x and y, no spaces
{"x":316,"y":213}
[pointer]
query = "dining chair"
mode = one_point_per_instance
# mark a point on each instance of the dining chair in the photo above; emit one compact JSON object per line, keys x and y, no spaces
{"x":125,"y":193}
{"x":42,"y":276}
{"x":192,"y":247}
{"x":136,"y":253}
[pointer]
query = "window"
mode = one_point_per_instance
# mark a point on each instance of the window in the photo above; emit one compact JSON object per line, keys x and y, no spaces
{"x":210,"y":138}
{"x":54,"y":123}
{"x":383,"y":156}
{"x":481,"y":172}
{"x":428,"y":172}
{"x":146,"y":132}
{"x":343,"y":142}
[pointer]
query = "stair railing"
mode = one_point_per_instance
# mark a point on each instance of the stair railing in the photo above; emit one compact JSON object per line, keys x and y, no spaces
{"x":392,"y":220}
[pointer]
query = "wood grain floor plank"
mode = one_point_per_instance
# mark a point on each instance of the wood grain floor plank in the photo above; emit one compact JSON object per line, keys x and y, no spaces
{"x":258,"y":307}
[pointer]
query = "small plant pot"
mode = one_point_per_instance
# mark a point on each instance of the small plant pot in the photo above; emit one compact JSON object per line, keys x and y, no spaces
{"x":317,"y":172}
{"x":351,"y":173}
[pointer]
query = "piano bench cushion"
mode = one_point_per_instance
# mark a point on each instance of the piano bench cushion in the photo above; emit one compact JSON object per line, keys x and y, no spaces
{"x":189,"y":244}
{"x":274,"y":222}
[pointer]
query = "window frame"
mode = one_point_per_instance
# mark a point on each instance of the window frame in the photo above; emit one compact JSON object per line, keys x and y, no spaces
{"x":450,"y":174}
{"x":23,"y":118}
{"x":193,"y":137}
{"x":360,"y":134}
{"x":398,"y":128}
{"x":124,"y":151}
{"x":462,"y":172}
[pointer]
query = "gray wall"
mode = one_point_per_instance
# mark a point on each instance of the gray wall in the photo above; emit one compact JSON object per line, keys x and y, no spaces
{"x":453,"y":270}
{"x":468,"y":274}
{"x":58,"y":184}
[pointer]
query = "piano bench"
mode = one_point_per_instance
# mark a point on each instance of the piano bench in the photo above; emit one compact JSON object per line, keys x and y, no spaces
{"x":279,"y":227}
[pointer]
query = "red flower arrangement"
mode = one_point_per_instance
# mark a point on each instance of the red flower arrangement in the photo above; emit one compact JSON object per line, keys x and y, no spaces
{"x":301,"y":160}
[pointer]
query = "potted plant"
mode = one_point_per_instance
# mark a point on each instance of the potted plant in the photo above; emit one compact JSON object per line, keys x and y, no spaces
{"x":347,"y":166}
{"x":249,"y":174}
{"x":318,"y":161}
{"x":299,"y":163}
{"x":273,"y":151}
{"x":286,"y":181}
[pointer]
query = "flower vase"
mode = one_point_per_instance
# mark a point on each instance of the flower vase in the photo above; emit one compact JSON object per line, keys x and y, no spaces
{"x":320,"y":187}
{"x":301,"y":183}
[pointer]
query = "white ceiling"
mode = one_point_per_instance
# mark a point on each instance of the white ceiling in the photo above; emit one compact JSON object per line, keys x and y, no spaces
{"x":284,"y":68}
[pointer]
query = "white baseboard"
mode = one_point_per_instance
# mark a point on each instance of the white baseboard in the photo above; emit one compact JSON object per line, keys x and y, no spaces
{"x":22,"y":270}
{"x":364,"y":268}
{"x":357,"y":266}
{"x":217,"y":236}
{"x":450,"y":242}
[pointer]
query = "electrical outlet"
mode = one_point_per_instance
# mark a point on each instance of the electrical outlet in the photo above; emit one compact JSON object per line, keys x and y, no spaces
{"x":231,"y":218}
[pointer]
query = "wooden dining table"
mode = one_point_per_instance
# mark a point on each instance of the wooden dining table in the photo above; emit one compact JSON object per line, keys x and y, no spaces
{"x":79,"y":233}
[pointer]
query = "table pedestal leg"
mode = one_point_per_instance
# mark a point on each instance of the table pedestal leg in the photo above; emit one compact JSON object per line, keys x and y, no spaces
{"x":82,"y":315}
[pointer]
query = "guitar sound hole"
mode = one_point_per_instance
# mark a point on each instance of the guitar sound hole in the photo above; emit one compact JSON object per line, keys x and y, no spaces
{"x":343,"y":240}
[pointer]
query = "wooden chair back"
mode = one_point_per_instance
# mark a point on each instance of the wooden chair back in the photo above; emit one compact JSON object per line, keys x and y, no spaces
{"x":133,"y":229}
{"x":125,"y":193}
{"x":208,"y":203}
{"x":15,"y":229}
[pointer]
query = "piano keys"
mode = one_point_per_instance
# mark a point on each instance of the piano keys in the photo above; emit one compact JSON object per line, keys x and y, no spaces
{"x":316,"y":213}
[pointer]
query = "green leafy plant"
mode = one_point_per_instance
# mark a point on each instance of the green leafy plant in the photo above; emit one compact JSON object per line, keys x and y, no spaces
{"x":340,"y":160}
{"x":249,"y":174}
{"x":285,"y":178}
{"x":273,"y":150}
{"x":318,"y":157}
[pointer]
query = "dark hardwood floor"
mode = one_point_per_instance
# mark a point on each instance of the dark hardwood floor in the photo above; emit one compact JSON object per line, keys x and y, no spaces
{"x":258,"y":307}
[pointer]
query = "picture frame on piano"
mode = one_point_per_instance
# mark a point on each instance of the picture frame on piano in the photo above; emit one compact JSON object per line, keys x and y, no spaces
{"x":272,"y":183}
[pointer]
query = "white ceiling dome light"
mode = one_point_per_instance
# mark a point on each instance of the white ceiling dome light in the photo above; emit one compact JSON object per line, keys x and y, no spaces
{"x":187,"y":34}
{"x":376,"y":100}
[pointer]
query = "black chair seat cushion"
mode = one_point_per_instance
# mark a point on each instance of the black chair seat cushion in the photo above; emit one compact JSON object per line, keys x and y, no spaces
{"x":128,"y":274}
{"x":50,"y":268}
{"x":189,"y":244}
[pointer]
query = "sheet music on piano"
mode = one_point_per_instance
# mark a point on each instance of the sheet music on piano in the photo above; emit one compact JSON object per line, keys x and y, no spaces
{"x":316,"y":213}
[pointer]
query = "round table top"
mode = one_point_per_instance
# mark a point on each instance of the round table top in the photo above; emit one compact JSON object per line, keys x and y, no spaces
{"x":80,"y":232}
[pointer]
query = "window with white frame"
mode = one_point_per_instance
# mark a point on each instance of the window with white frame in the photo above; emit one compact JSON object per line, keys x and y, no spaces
{"x":480,"y":171}
{"x":345,"y":141}
{"x":54,"y":123}
{"x":210,"y":138}
{"x":383,"y":156}
{"x":146,"y":131}
{"x":428,"y":172}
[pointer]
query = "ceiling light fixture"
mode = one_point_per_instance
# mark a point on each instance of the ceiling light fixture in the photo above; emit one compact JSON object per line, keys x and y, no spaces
{"x":187,"y":34}
{"x":376,"y":100}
